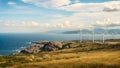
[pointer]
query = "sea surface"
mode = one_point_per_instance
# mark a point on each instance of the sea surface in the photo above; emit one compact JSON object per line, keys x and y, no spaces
{"x":11,"y":43}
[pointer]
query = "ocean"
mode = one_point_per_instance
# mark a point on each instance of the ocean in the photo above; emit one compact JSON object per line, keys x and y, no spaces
{"x":11,"y":43}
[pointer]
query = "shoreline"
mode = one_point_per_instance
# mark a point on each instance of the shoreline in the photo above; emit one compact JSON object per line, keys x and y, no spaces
{"x":40,"y":46}
{"x":34,"y":43}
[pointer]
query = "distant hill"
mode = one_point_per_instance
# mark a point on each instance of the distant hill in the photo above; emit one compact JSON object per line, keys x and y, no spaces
{"x":96,"y":31}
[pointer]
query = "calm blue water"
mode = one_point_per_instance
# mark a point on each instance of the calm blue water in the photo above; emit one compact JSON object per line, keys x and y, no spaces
{"x":12,"y":43}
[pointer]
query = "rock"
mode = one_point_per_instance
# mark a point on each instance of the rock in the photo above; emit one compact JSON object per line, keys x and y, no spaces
{"x":70,"y":45}
{"x":46,"y":56}
{"x":39,"y":43}
{"x":31,"y":59}
{"x":32,"y":56}
{"x":31,"y":49}
{"x":42,"y":46}
{"x":66,"y":46}
{"x":52,"y":46}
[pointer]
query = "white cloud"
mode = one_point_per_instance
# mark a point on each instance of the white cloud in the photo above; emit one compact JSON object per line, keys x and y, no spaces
{"x":52,"y":25}
{"x":11,"y":3}
{"x":30,"y":24}
{"x":93,"y":7}
{"x":110,"y":9}
{"x":48,"y":3}
{"x":76,"y":21}
{"x":77,"y":6}
{"x":107,"y":23}
{"x":85,"y":15}
{"x":83,"y":7}
{"x":86,"y":20}
{"x":112,"y":6}
{"x":20,"y":24}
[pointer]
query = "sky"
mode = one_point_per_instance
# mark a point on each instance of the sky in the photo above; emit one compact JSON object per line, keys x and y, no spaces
{"x":31,"y":16}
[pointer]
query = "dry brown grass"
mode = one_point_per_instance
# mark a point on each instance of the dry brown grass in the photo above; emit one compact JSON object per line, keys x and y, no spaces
{"x":113,"y":42}
{"x":97,"y":59}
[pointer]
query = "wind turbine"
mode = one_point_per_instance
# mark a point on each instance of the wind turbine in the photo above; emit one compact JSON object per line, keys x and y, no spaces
{"x":93,"y":35}
{"x":91,"y":29}
{"x":105,"y":33}
{"x":80,"y":36}
{"x":103,"y":38}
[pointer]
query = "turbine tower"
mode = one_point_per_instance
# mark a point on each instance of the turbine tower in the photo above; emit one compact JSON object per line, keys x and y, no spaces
{"x":93,"y":35}
{"x":103,"y":38}
{"x":80,"y":36}
{"x":105,"y":30}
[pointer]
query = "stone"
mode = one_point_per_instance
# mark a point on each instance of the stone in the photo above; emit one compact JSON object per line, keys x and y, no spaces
{"x":52,"y":46}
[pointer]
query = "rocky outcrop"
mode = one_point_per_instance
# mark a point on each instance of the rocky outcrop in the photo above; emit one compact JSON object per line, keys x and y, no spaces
{"x":42,"y":46}
{"x":52,"y":46}
{"x":31,"y":49}
{"x":48,"y":46}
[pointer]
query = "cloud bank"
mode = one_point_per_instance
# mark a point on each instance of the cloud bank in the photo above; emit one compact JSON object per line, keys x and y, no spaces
{"x":48,"y":3}
{"x":68,"y":15}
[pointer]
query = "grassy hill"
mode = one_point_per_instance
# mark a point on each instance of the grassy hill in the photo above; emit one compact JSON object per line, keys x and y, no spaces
{"x":86,"y":55}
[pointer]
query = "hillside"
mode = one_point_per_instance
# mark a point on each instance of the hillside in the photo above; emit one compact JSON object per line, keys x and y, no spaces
{"x":84,"y":55}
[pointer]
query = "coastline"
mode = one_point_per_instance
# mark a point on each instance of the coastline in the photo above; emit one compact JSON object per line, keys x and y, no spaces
{"x":51,"y":53}
{"x":40,"y":46}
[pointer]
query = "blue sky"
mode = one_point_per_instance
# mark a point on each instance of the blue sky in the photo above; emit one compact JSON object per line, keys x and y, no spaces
{"x":21,"y":16}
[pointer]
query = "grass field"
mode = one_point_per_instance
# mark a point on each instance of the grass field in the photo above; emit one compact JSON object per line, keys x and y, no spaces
{"x":85,"y":56}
